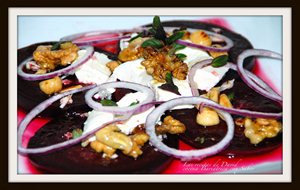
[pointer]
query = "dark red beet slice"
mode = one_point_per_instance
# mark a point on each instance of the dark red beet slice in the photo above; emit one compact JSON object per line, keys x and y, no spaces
{"x":77,"y":159}
{"x":29,"y":93}
{"x":244,"y":98}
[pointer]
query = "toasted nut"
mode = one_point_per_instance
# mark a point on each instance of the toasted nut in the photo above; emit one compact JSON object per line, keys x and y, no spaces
{"x":261,"y":128}
{"x":100,"y":147}
{"x":111,"y":137}
{"x":200,"y":37}
{"x":213,"y":94}
{"x":51,"y":86}
{"x":207,"y":117}
{"x":128,"y":54}
{"x":217,"y":54}
{"x":186,"y":35}
{"x":71,"y":88}
{"x":224,"y":101}
{"x":140,"y":138}
{"x":262,"y":121}
{"x":112,"y":65}
{"x":170,"y":125}
{"x":41,"y":71}
{"x":97,"y":146}
{"x":135,"y":151}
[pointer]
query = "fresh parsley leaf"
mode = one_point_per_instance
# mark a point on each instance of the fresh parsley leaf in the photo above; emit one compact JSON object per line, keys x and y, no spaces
{"x":219,"y":61}
{"x":106,"y":102}
{"x":134,"y":103}
{"x":181,"y":56}
{"x":169,"y":85}
{"x":174,"y":37}
{"x":152,"y":43}
{"x":76,"y":133}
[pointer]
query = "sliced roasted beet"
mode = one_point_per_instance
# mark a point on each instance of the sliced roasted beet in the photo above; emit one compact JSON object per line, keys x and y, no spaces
{"x":120,"y":93}
{"x":77,"y":159}
{"x":29,"y":93}
{"x":243,"y":97}
{"x":200,"y":137}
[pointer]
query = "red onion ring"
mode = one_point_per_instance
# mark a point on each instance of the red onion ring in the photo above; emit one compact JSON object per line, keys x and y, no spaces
{"x":67,"y":70}
{"x":247,"y":79}
{"x":192,"y":73}
{"x":229,"y":43}
{"x":142,"y":106}
{"x":255,"y":79}
{"x":42,"y":106}
{"x":207,"y":62}
{"x":101,"y":32}
{"x":235,"y":111}
{"x":246,"y":113}
{"x":187,"y":155}
{"x":94,"y":42}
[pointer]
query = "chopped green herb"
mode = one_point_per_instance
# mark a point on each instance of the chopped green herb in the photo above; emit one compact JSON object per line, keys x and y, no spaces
{"x":134,"y":103}
{"x":169,"y":85}
{"x":76,"y":133}
{"x":230,"y":95}
{"x":174,"y":37}
{"x":106,"y":102}
{"x":201,"y":140}
{"x":153,"y":43}
{"x":219,"y":61}
{"x":181,"y":56}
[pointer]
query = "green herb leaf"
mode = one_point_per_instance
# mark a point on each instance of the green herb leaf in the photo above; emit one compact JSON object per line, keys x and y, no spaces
{"x":230,"y":95}
{"x":176,"y":47}
{"x":106,"y":102}
{"x":76,"y":133}
{"x":169,"y":78}
{"x":156,"y":22}
{"x":134,"y":103}
{"x":181,"y":56}
{"x":174,"y":37}
{"x":219,"y":61}
{"x":169,"y":85}
{"x":151,"y":31}
{"x":135,"y":37}
{"x":56,"y":46}
{"x":160,"y":33}
{"x":152,"y":43}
